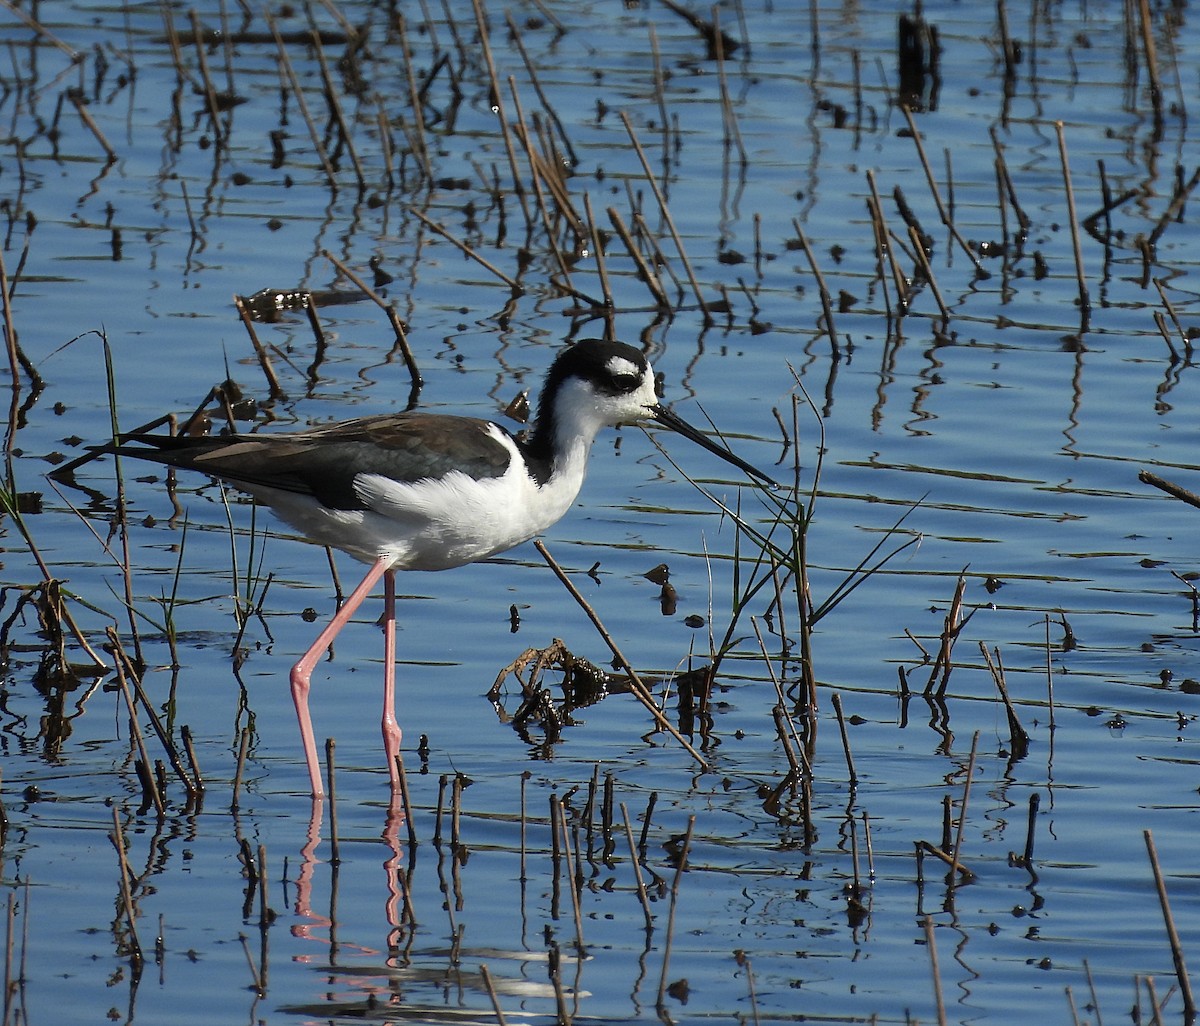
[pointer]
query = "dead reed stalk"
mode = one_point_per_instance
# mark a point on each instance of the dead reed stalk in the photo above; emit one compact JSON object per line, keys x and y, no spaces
{"x":962,"y":811}
{"x":497,"y":101}
{"x":10,"y":984}
{"x":209,"y":90}
{"x":289,"y":72}
{"x":931,"y":944}
{"x":1008,"y":192}
{"x":516,"y":286}
{"x":1146,"y":22}
{"x":745,"y":963}
{"x":733,"y":134}
{"x":793,"y":746}
{"x":1185,"y":337}
{"x":118,"y":839}
{"x":255,"y":980}
{"x":418,"y":141}
{"x":492,"y":995}
{"x":665,"y":212}
{"x":16,"y":355}
{"x":679,"y":868}
{"x":639,"y":689}
{"x":947,"y":859}
{"x":150,"y":787}
{"x":335,"y":109}
{"x":643,"y":896}
{"x":443,"y":780}
{"x":514,"y":34}
{"x":1018,"y":740}
{"x":240,"y":768}
{"x":572,"y":877}
{"x":943,"y":212}
{"x":406,"y":801}
{"x":601,"y":264}
{"x":1181,"y":973}
{"x":44,"y":33}
{"x":852,"y":776}
{"x":560,"y":997}
{"x":394,"y":318}
{"x":826,"y":301}
{"x":456,"y":790}
{"x":265,"y":915}
{"x":885,"y":255}
{"x":553,"y":185}
{"x":1026,"y":857}
{"x":1178,"y":491}
{"x":953,"y":627}
{"x":90,"y":123}
{"x":160,"y":731}
{"x":1085,"y":303}
{"x":189,"y":748}
{"x":1172,"y":212}
{"x":660,"y":96}
{"x":335,"y":844}
{"x":264,"y":359}
{"x":1050,"y":678}
{"x":926,"y":269}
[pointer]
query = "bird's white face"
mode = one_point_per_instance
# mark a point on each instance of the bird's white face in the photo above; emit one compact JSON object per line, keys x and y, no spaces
{"x":619,"y":391}
{"x":594,"y":385}
{"x":628,"y":393}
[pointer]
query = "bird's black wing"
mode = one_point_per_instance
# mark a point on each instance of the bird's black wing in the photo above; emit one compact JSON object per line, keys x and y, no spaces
{"x":324,"y":462}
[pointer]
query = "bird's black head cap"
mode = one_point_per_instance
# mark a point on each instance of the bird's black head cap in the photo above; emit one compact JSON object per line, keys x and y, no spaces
{"x":611,"y":368}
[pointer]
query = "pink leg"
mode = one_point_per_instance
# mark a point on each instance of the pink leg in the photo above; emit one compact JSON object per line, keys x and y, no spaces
{"x":391,"y":729}
{"x":302,"y":671}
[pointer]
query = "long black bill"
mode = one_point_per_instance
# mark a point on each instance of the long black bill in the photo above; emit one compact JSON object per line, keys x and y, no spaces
{"x":669,"y":420}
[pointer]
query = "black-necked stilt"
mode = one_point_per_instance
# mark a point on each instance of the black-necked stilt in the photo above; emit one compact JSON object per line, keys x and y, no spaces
{"x":422,"y":491}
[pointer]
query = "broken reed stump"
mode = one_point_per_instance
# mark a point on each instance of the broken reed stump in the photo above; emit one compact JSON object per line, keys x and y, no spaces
{"x":1178,"y":491}
{"x":1181,"y":973}
{"x":1018,"y":740}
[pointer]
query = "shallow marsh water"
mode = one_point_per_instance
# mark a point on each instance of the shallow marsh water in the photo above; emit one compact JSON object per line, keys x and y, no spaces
{"x":1018,"y":430}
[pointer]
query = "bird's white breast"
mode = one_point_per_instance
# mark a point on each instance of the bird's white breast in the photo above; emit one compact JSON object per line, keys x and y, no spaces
{"x":439,"y":523}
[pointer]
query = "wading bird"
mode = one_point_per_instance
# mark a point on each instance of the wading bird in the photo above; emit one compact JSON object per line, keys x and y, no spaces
{"x":425,"y":491}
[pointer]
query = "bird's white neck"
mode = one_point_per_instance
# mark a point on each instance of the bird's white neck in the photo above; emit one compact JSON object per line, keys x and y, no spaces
{"x":567,"y":423}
